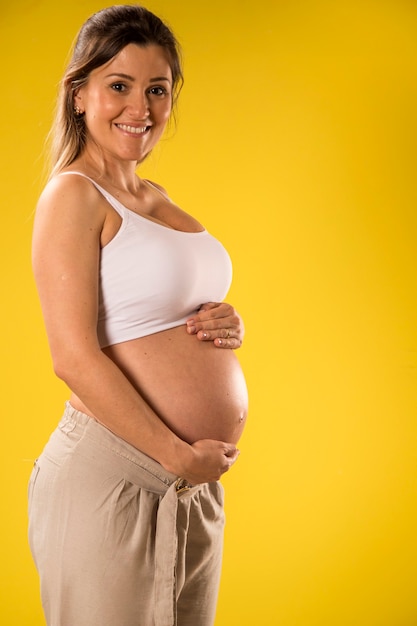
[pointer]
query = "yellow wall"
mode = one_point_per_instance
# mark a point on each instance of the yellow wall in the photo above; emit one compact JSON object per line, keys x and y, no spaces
{"x":296,"y":145}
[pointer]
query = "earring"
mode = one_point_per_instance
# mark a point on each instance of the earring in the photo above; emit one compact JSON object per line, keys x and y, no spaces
{"x":78,"y":111}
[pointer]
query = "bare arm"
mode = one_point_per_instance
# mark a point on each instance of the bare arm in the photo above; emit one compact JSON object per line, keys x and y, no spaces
{"x":70,"y":219}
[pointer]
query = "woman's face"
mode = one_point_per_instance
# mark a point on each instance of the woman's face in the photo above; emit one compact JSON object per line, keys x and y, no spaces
{"x":127,"y":102}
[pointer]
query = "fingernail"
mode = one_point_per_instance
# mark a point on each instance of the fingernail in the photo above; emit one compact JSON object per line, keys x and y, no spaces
{"x":191,"y":329}
{"x":220,"y":342}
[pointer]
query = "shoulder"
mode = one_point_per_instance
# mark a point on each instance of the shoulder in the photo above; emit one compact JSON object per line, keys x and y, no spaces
{"x":69,"y":187}
{"x":72,"y":194}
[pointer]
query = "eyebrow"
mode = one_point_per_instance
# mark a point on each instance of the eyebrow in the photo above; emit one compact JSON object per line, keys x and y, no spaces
{"x":157,"y":79}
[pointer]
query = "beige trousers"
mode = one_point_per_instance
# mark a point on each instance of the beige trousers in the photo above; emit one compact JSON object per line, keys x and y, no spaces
{"x":115,"y":540}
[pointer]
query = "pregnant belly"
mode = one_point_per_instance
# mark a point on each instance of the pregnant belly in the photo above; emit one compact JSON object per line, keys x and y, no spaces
{"x":198,"y":390}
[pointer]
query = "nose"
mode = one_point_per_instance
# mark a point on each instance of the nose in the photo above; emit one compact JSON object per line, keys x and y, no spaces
{"x":138,"y":106}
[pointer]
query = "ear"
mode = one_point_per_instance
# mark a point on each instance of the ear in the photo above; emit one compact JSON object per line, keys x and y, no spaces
{"x":78,"y":96}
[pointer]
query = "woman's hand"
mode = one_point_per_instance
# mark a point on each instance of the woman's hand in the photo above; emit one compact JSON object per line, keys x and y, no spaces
{"x":205,"y":461}
{"x":218,"y":322}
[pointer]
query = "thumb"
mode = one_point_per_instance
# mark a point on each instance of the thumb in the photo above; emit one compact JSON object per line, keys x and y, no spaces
{"x":231,"y":451}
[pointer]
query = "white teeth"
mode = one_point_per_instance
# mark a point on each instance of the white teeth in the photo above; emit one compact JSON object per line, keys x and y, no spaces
{"x":132,"y":129}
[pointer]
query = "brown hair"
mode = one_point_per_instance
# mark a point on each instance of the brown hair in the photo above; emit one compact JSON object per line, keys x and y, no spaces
{"x":100,"y":39}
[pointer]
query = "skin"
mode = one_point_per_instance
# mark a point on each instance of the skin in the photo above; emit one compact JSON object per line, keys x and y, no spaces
{"x":131,"y":387}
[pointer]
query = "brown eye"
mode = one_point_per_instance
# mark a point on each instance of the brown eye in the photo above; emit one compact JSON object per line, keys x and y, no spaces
{"x":157,"y":91}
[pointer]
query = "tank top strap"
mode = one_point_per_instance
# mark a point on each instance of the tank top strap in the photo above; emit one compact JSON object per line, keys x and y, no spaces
{"x":114,"y":202}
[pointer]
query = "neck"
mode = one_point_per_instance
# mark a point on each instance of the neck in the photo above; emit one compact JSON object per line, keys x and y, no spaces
{"x":120,"y":175}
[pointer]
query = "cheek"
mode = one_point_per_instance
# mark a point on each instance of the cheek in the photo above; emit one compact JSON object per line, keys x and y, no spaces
{"x":108,"y":106}
{"x":103,"y":105}
{"x":165,"y":111}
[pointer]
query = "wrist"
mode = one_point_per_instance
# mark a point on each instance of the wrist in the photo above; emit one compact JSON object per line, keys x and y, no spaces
{"x":178,"y":459}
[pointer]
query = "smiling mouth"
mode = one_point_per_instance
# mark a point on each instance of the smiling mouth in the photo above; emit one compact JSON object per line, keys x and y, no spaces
{"x":133,"y":129}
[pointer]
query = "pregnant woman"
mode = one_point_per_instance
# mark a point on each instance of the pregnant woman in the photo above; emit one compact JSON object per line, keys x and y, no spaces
{"x":125,"y":507}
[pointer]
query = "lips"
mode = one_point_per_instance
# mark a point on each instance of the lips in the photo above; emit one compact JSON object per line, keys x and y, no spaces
{"x":136,"y":130}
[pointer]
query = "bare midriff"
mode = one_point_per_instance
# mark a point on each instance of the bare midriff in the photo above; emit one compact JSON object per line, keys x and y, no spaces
{"x":197,"y":389}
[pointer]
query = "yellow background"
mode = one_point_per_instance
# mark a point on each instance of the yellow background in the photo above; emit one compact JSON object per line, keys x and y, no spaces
{"x":296,"y":146}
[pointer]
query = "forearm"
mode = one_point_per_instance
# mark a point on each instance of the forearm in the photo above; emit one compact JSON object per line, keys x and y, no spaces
{"x":114,"y":402}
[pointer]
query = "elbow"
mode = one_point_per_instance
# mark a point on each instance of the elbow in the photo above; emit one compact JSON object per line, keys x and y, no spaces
{"x":70,"y":363}
{"x":63,"y":367}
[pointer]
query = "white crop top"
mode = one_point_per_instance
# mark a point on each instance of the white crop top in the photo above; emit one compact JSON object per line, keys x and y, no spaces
{"x":153,"y":277}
